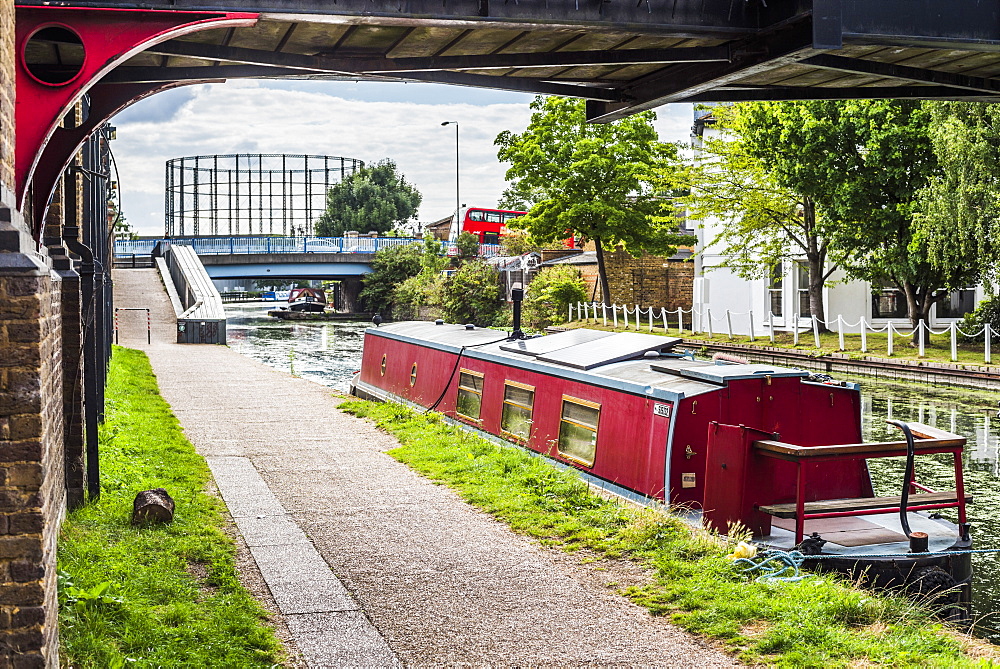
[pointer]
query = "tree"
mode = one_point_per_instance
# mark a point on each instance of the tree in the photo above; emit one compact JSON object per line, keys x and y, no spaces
{"x":766,"y":222}
{"x":391,"y":266}
{"x":374,"y":198}
{"x":837,"y":182}
{"x":120,"y":226}
{"x":958,"y":212}
{"x":550,"y":293}
{"x":597,"y":180}
{"x":424,"y":289}
{"x":473,"y":294}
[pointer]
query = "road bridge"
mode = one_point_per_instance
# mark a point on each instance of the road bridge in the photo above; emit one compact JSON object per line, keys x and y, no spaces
{"x":329,"y":258}
{"x":67,"y":67}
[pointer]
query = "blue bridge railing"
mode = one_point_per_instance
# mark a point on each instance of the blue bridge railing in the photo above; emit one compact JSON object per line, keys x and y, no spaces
{"x":270,"y":245}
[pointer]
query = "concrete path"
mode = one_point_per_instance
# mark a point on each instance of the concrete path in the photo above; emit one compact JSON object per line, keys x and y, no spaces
{"x":370,"y":564}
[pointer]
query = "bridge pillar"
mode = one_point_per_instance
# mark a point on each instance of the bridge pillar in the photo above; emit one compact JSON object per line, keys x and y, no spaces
{"x":349,"y":291}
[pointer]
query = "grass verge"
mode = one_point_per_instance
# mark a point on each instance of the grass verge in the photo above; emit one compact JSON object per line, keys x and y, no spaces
{"x":163,"y":595}
{"x":820,"y":621}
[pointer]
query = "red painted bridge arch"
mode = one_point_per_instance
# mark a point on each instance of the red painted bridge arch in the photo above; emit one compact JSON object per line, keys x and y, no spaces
{"x":106,"y":38}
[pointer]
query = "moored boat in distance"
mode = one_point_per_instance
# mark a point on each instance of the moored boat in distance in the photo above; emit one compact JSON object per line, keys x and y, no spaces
{"x":307,"y":299}
{"x":769,"y":448}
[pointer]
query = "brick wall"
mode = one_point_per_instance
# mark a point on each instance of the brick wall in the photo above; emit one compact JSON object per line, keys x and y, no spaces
{"x":32,"y":483}
{"x":32,"y":487}
{"x":649,"y":281}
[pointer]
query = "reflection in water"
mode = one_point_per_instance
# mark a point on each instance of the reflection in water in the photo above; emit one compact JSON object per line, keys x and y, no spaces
{"x":325,"y":352}
{"x":329,"y":353}
{"x":972,"y":414}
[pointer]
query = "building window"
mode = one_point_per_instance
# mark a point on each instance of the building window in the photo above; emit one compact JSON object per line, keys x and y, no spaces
{"x":774,"y":289}
{"x":470,"y":394}
{"x":889,"y":302}
{"x":802,"y":271}
{"x":518,"y":400}
{"x":578,"y":430}
{"x":957,"y":304}
{"x":413,"y":374}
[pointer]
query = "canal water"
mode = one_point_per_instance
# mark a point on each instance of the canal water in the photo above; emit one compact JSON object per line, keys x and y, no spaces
{"x":330,"y":353}
{"x":326,"y":352}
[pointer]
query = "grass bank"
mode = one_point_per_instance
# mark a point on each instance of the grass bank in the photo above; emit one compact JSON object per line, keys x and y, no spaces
{"x":159,"y":596}
{"x":938,"y":349}
{"x":819,"y":621}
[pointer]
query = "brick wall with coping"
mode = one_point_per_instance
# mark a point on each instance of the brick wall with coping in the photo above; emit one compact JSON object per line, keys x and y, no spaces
{"x":649,"y":280}
{"x":32,"y":483}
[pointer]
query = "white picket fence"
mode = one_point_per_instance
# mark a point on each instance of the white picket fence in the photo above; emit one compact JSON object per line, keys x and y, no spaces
{"x":642,"y":317}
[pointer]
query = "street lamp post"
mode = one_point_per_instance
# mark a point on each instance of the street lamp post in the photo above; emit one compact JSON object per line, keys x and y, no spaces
{"x":458,"y":220}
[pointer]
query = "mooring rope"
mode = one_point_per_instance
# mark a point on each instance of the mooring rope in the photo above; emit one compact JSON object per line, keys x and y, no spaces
{"x":774,"y":564}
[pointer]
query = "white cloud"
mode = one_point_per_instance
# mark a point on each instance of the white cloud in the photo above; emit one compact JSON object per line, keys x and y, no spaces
{"x":365,"y":121}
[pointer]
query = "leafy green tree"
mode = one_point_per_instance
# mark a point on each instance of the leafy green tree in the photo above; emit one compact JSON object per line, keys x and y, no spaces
{"x":120,"y":226}
{"x":425,"y":289}
{"x":836,"y":182}
{"x":374,"y":198}
{"x":766,"y":222}
{"x":550,"y":293}
{"x":519,"y":196}
{"x":958,"y":212}
{"x":467,"y":245}
{"x":473,"y":294}
{"x":597,"y":180}
{"x":517,"y":243}
{"x":391,"y":266}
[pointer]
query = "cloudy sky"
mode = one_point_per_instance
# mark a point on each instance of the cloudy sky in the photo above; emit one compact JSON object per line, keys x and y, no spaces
{"x":369,"y":121}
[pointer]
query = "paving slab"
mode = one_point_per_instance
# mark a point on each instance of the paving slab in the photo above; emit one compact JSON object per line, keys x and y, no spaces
{"x":433,"y":580}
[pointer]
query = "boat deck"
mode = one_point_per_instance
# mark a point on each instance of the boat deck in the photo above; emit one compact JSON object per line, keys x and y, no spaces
{"x":868,"y":535}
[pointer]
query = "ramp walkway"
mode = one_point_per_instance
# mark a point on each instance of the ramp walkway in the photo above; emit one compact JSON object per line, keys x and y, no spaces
{"x":196,"y":302}
{"x":370,"y":564}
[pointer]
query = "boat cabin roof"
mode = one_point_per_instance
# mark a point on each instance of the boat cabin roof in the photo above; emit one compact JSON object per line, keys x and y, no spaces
{"x":630,"y":361}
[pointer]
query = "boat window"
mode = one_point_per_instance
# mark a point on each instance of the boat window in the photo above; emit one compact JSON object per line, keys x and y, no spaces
{"x":470,"y":394}
{"x":382,"y":367}
{"x":517,"y":402}
{"x":578,"y":430}
{"x":413,"y":374}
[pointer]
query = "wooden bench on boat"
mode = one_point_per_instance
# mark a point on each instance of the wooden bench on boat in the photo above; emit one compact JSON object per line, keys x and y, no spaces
{"x":928,"y":440}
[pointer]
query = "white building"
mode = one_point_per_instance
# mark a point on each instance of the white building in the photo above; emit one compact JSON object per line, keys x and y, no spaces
{"x":731,"y":299}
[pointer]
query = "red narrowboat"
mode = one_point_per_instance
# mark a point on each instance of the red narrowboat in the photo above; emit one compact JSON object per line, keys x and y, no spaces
{"x":768,"y":447}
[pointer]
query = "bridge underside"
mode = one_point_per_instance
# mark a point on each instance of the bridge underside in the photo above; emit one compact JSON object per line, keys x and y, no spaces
{"x":622,"y":56}
{"x":283,"y":271}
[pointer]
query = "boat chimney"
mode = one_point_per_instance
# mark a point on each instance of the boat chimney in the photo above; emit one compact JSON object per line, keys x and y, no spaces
{"x":516,"y":295}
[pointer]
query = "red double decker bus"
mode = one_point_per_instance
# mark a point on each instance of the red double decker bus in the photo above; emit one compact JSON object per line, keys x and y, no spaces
{"x":485,"y":224}
{"x":488,"y":224}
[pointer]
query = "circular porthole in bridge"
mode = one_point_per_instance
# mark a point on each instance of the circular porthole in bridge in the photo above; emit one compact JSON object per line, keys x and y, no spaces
{"x":53,"y":55}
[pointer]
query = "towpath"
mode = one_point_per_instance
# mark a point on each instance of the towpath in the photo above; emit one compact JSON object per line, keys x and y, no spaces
{"x":368,"y":563}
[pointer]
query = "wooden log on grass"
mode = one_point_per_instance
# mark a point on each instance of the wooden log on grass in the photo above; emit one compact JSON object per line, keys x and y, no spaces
{"x":152,"y":506}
